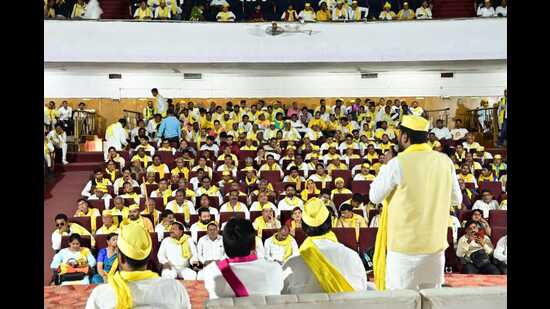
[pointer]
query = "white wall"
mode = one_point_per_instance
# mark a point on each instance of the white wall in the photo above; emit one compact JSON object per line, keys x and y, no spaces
{"x":159,"y":42}
{"x":57,"y":84}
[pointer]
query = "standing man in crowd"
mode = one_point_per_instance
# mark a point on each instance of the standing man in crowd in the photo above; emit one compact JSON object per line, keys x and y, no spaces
{"x":161,"y":105}
{"x":133,"y":286}
{"x":115,"y":136}
{"x":170,"y":129}
{"x":58,"y":138}
{"x":421,"y":184}
{"x":66,"y":116}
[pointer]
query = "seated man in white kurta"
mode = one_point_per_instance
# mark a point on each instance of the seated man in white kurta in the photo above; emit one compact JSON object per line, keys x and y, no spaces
{"x":202,"y":224}
{"x":132,"y":286}
{"x":306,"y":274}
{"x":177,"y":254}
{"x":290,"y":201}
{"x":242,"y":273}
{"x":281,"y":246}
{"x":210,"y":247}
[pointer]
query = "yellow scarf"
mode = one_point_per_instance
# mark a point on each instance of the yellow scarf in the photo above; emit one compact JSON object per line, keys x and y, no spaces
{"x":357,"y":13}
{"x":185,"y":248}
{"x":108,"y":230}
{"x":112,"y":175}
{"x":329,"y":278}
{"x":122,"y":291}
{"x":92,"y":214}
{"x":294,"y":202}
{"x":237,"y":208}
{"x":155,"y":215}
{"x":290,"y":15}
{"x":124,"y":213}
{"x":78,"y":10}
{"x":165,"y":195}
{"x":145,"y":13}
{"x":287,"y":244}
{"x":159,"y":169}
{"x":164,"y":12}
{"x":297,"y":180}
{"x":353,"y":222}
{"x":102,"y":185}
{"x":324,"y":181}
{"x":381,"y":243}
{"x":250,"y":182}
{"x":261,"y":224}
{"x":114,"y":268}
{"x":186,"y":211}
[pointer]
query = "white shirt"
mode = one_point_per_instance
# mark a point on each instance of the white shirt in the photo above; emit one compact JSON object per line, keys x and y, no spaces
{"x":260,"y":277}
{"x":285,"y":204}
{"x":275,"y":252}
{"x":390,"y":176}
{"x":218,"y":3}
{"x":106,"y":197}
{"x":351,"y":12}
{"x":162,"y":106}
{"x":65,"y":113}
{"x":257,"y":207}
{"x":210,"y":250}
{"x":307,"y":15}
{"x":442,"y":133}
{"x":459,"y":133}
{"x":486,"y":12}
{"x":179,"y":209}
{"x":501,"y":10}
{"x":485,"y":207}
{"x":158,"y":293}
{"x":213,"y":148}
{"x":159,"y":229}
{"x":88,"y":187}
{"x":57,"y":139}
{"x":298,"y":278}
{"x":423,"y":13}
{"x":500,"y":250}
{"x":455,"y":225}
{"x":227,"y":208}
{"x":170,"y":251}
{"x":374,"y":221}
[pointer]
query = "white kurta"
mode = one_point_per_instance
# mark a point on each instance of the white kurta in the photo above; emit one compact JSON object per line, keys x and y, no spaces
{"x":158,"y":293}
{"x":227,"y":208}
{"x":210,"y":250}
{"x":299,"y":279}
{"x":170,"y":251}
{"x":257,"y":207}
{"x":275,"y":252}
{"x":287,"y":204}
{"x":117,"y":138}
{"x":260,"y":277}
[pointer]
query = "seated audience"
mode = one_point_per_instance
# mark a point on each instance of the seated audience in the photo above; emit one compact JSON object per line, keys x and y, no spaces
{"x":406,"y":13}
{"x":178,"y":254}
{"x":290,"y":14}
{"x":424,"y":12}
{"x":323,"y":14}
{"x":143,"y":12}
{"x":501,"y":255}
{"x":225,"y":15}
{"x":266,"y":221}
{"x":254,"y":275}
{"x":307,"y":14}
{"x":106,"y":259}
{"x":387,"y":13}
{"x":350,"y":219}
{"x":474,"y":250}
{"x":165,"y":224}
{"x":486,"y":10}
{"x":502,"y":9}
{"x":109,"y":226}
{"x":210,"y":247}
{"x":134,"y":217}
{"x":73,"y":260}
{"x":281,"y":246}
{"x":486,"y":203}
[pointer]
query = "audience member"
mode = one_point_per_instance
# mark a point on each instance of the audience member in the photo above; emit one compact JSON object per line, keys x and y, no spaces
{"x":73,"y":264}
{"x":178,"y":254}
{"x":474,"y":250}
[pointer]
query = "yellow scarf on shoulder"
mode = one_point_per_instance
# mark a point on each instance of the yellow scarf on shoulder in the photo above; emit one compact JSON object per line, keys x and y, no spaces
{"x":112,"y":175}
{"x":185,"y":248}
{"x":92,"y":214}
{"x":118,"y":282}
{"x":165,"y":195}
{"x":329,"y":278}
{"x":261,"y":224}
{"x":287,"y":244}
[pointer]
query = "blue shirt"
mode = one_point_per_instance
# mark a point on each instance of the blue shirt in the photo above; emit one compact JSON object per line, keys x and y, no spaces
{"x":170,"y":127}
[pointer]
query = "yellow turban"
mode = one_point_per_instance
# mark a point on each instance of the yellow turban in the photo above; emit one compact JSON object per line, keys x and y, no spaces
{"x":415,"y":123}
{"x":133,"y":207}
{"x":266,"y":206}
{"x":498,"y":156}
{"x":107,"y":212}
{"x":480,"y":148}
{"x":387,"y":5}
{"x":308,"y":4}
{"x":339,"y":179}
{"x":134,"y":242}
{"x":315,"y":212}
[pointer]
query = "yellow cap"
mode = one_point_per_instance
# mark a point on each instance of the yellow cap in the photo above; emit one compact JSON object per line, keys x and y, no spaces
{"x":415,"y":123}
{"x":134,"y":241}
{"x":133,"y":207}
{"x":226,"y":5}
{"x":226,"y":173}
{"x":498,"y":156}
{"x":352,"y":2}
{"x":266,"y":206}
{"x":107,"y":212}
{"x":480,"y":148}
{"x":315,"y":212}
{"x":365,"y":165}
{"x":308,"y":4}
{"x":387,"y":5}
{"x":339,"y":179}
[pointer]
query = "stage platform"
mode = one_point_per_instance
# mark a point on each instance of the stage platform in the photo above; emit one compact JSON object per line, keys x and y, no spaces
{"x":75,"y":296}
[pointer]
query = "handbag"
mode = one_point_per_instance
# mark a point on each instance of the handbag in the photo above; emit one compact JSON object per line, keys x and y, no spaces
{"x":480,"y":258}
{"x":67,"y":272}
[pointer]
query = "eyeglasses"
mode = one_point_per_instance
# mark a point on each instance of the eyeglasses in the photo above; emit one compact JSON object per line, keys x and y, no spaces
{"x":60,"y":224}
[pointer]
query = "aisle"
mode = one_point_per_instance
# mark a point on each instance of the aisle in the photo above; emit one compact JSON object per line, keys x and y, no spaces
{"x":61,"y":198}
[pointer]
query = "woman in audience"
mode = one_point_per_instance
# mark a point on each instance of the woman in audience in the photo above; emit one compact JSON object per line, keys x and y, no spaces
{"x":73,"y":263}
{"x":310,"y":190}
{"x":295,"y":221}
{"x":107,"y":262}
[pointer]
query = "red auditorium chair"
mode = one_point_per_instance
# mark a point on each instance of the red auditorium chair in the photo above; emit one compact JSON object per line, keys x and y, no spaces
{"x":111,"y":190}
{"x":124,"y":154}
{"x":154,"y":264}
{"x":85,"y":222}
{"x":346,"y":174}
{"x":497,"y":233}
{"x":225,"y":216}
{"x":346,"y":236}
{"x":255,"y":214}
{"x":150,"y":217}
{"x":372,"y":213}
{"x":285,"y":164}
{"x":329,"y":185}
{"x":360,"y":186}
{"x":86,"y":241}
{"x":299,"y":236}
{"x":214,"y":201}
{"x":166,"y":156}
{"x":277,"y":187}
{"x":498,"y":218}
{"x":367,"y":238}
{"x":271,"y":176}
{"x":470,"y":185}
{"x":358,"y":211}
{"x":285,"y":215}
{"x":151,"y":187}
{"x":100,"y":241}
{"x":338,"y":199}
{"x":216,"y":176}
{"x":98,"y":204}
{"x":451,"y":260}
{"x":354,"y":162}
{"x":495,"y":187}
{"x":266,"y":233}
{"x":465,"y":215}
{"x":243,"y":154}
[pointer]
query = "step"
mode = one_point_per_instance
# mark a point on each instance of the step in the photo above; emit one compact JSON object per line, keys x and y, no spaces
{"x":92,"y":156}
{"x":79,"y":166}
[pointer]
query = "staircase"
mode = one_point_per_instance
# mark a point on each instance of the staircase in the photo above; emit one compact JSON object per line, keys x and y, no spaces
{"x":453,"y":8}
{"x":115,"y":9}
{"x":81,"y":161}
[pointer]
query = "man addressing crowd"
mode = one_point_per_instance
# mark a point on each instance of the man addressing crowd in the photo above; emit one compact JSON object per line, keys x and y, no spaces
{"x":417,"y":188}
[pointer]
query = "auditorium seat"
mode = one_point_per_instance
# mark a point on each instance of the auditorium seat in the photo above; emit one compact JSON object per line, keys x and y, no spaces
{"x":497,"y":233}
{"x":86,"y":222}
{"x":285,"y":215}
{"x":451,"y":260}
{"x":243,"y":154}
{"x":165,"y":156}
{"x":329,"y":185}
{"x":360,"y":186}
{"x":299,"y":236}
{"x":354,"y":162}
{"x":367,"y":238}
{"x":345,"y":174}
{"x":358,"y":211}
{"x":495,"y":187}
{"x":216,"y":177}
{"x":151,"y":187}
{"x":346,"y":236}
{"x":255,"y":214}
{"x":97,"y":204}
{"x":100,"y":241}
{"x":372,"y":213}
{"x":266,"y":233}
{"x":154,"y":264}
{"x":498,"y":218}
{"x":225,"y":216}
{"x":86,"y":241}
{"x":214,"y":201}
{"x":277,"y":187}
{"x":271,"y":176}
{"x":470,"y":185}
{"x":465,"y":215}
{"x":338,"y":199}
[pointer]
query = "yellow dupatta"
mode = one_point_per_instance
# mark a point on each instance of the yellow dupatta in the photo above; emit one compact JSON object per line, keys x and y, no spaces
{"x":93,"y":218}
{"x":165,"y":195}
{"x":155,"y":215}
{"x":262,"y":225}
{"x":118,"y":281}
{"x":112,"y":175}
{"x":287,"y":244}
{"x":185,"y":248}
{"x":329,"y":278}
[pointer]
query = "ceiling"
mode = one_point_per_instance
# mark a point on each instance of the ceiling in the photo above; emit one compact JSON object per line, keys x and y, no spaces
{"x":486,"y":66}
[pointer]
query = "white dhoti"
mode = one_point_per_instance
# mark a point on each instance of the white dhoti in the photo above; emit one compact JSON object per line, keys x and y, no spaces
{"x":414,"y":272}
{"x":179,"y":272}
